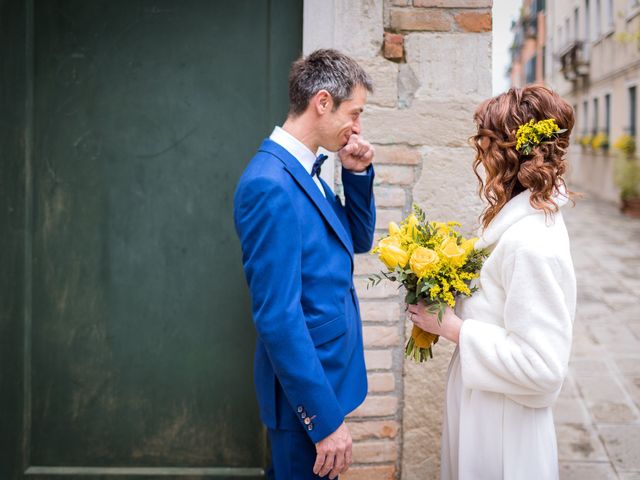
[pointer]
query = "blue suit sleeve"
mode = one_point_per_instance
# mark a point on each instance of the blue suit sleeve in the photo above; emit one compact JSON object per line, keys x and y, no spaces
{"x":360,"y":208}
{"x":271,"y":239}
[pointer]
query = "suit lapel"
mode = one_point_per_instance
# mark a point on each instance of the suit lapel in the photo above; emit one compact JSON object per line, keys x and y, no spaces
{"x":306,"y":183}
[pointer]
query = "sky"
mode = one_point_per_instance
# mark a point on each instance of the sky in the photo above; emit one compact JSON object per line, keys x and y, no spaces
{"x":503,"y":12}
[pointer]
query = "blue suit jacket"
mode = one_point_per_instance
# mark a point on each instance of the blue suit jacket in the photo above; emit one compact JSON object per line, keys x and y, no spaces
{"x":298,"y":260}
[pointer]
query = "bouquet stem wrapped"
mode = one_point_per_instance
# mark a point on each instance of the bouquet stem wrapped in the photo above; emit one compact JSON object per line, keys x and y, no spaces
{"x":434,"y":263}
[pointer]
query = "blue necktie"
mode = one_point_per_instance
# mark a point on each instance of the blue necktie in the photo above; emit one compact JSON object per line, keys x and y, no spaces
{"x":317,"y":165}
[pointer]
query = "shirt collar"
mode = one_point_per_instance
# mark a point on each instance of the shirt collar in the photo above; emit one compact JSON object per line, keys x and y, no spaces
{"x":295,"y":147}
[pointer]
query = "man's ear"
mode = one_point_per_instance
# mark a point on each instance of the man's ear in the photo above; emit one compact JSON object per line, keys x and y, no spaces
{"x":322,"y":102}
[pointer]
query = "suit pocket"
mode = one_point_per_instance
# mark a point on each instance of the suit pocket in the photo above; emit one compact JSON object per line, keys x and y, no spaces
{"x":328,"y":331}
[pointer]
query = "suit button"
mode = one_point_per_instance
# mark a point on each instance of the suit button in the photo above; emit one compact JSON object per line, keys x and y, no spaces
{"x":300,"y":409}
{"x":307,"y":421}
{"x":303,"y":415}
{"x":310,"y":427}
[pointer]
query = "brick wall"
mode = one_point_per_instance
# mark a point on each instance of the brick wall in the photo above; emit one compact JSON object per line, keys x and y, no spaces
{"x":430,"y":63}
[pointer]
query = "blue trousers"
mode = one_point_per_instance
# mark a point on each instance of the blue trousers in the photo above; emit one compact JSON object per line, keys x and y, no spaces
{"x":293,"y":455}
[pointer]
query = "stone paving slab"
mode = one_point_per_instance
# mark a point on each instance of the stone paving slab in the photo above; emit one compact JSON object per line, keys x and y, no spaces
{"x":623,"y":445}
{"x":597,"y":415}
{"x":587,"y":471}
{"x":579,"y":442}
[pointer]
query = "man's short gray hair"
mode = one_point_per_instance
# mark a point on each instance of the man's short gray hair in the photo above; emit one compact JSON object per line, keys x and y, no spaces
{"x":324,"y":69}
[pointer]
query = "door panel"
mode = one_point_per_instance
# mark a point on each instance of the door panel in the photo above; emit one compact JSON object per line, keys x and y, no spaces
{"x":140,"y":117}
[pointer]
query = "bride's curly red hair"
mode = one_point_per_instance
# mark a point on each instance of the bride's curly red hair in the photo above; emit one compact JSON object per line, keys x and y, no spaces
{"x":507,"y":171}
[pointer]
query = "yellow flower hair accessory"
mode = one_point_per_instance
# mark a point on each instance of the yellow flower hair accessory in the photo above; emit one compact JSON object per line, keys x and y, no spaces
{"x":532,"y":133}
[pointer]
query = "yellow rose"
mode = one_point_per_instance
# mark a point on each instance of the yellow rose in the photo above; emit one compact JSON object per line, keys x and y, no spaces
{"x":411,"y":224}
{"x":423,"y":261}
{"x":453,"y":252}
{"x":441,"y":228}
{"x":469,"y":245}
{"x":391,"y":252}
{"x":394,"y":229}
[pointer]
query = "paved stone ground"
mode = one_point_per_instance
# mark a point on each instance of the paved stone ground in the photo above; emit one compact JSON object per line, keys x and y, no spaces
{"x":598,"y":413}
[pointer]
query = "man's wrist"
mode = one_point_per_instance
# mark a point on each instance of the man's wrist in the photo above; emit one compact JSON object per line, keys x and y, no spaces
{"x":358,"y":172}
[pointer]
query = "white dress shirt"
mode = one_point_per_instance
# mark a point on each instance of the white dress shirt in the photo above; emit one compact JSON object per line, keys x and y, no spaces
{"x":299,"y":150}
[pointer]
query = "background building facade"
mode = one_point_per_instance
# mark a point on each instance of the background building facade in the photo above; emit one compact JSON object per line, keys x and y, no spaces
{"x":528,"y":51}
{"x":593,"y":59}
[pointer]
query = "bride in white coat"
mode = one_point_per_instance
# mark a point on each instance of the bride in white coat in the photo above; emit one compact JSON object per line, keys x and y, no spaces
{"x":514,"y":333}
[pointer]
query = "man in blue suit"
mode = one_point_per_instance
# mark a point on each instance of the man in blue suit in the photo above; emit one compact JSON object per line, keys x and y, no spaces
{"x":298,"y":242}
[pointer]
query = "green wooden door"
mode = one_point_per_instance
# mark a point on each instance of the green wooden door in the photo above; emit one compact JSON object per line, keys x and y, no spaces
{"x":125,"y":322}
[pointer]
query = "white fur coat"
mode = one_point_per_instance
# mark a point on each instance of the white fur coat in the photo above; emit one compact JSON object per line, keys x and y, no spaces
{"x":514,"y":351}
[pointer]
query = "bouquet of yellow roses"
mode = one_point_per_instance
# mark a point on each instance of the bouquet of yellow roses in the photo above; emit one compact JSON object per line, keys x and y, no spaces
{"x":434,"y":263}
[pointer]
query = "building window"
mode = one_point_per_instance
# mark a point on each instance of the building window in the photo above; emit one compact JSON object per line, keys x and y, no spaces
{"x":610,"y":14}
{"x":595,"y":116}
{"x":607,"y":114}
{"x":585,"y":119}
{"x":587,"y":25}
{"x":560,"y":39}
{"x":530,"y":70}
{"x":632,"y":111}
{"x":576,"y":24}
{"x":597,"y":19}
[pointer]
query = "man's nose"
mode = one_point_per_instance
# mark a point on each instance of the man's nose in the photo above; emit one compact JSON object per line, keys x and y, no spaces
{"x":356,"y":127}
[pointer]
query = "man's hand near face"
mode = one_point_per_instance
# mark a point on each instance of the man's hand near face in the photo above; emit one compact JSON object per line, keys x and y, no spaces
{"x":357,"y":154}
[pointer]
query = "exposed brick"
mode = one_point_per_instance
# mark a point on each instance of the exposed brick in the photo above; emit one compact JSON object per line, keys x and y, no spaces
{"x":385,"y":289}
{"x":373,"y":429}
{"x":382,"y":472}
{"x":377,"y":451}
{"x":377,"y":406}
{"x":380,"y":311}
{"x":395,"y":174}
{"x":453,"y":3}
{"x":400,"y":3}
{"x":375,"y":336}
{"x":390,"y":196}
{"x":384,"y":75}
{"x":367,"y":264}
{"x":393,"y":46}
{"x":378,"y":359}
{"x":396,"y":155}
{"x":384,"y":217}
{"x":474,"y":21}
{"x":423,"y":20}
{"x":381,"y":382}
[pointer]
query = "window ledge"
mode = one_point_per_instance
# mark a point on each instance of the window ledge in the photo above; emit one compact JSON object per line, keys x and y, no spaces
{"x":633,"y":12}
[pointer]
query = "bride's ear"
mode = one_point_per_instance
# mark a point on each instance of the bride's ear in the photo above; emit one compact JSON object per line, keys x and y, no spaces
{"x":484,"y":142}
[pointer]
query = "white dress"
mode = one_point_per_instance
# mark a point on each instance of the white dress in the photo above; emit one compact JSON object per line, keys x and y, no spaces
{"x":513,"y":352}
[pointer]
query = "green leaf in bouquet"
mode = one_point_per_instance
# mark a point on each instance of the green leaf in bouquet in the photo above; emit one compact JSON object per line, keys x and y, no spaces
{"x":424,"y":286}
{"x":432,"y":308}
{"x":411,"y":298}
{"x":437,"y":307}
{"x":419,"y":213}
